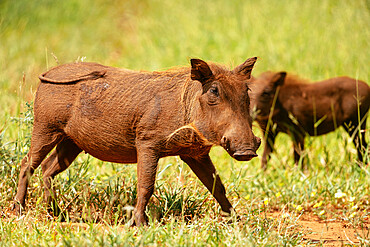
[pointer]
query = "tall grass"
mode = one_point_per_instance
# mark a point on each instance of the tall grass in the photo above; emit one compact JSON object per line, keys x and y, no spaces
{"x":315,"y":39}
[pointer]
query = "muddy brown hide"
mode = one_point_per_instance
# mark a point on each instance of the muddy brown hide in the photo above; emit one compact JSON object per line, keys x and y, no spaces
{"x":125,"y":116}
{"x":300,"y":108}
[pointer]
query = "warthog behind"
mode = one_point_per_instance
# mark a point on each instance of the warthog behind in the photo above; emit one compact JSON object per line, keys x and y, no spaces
{"x":125,"y":116}
{"x":300,"y":108}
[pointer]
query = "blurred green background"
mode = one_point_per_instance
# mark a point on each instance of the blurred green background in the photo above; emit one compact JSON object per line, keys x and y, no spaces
{"x":315,"y":39}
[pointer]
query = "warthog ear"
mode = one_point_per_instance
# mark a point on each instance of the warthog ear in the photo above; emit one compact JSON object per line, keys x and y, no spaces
{"x":279,"y":78}
{"x":200,"y":70}
{"x":246,"y":67}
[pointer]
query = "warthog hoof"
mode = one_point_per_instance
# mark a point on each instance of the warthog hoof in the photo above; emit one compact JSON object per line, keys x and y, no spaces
{"x":17,"y":208}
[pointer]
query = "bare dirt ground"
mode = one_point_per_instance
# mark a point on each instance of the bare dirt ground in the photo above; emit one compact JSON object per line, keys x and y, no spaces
{"x":331,"y":231}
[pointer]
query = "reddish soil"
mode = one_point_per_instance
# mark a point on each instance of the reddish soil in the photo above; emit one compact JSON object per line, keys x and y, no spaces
{"x":331,"y":232}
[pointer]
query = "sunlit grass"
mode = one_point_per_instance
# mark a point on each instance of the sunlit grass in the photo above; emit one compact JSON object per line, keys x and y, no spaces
{"x":315,"y":39}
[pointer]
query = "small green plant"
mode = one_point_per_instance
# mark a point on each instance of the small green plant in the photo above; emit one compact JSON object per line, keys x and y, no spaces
{"x":179,"y":202}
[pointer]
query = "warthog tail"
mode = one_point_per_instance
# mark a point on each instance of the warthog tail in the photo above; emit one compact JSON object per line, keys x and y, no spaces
{"x":90,"y":76}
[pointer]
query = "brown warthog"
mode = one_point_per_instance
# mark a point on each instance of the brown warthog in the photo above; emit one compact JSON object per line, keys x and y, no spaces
{"x":125,"y":116}
{"x":298,"y":108}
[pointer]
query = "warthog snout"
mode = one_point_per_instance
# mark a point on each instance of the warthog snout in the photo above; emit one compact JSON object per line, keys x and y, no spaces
{"x":244,"y":156}
{"x":241,"y":153}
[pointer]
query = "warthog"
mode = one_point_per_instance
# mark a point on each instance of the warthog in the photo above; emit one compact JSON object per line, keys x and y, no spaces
{"x":124,"y":116}
{"x":298,"y":108}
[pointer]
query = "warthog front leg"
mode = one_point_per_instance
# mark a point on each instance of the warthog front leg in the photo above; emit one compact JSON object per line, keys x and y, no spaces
{"x":147,"y":162}
{"x":298,"y":146}
{"x":206,"y":172}
{"x":269,"y":146}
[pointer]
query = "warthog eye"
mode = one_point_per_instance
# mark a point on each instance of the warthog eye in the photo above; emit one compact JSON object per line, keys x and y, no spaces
{"x":214,"y":90}
{"x":265,"y":94}
{"x":213,"y":95}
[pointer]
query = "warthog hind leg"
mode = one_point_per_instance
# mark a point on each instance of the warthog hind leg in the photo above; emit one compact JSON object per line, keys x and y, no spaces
{"x":59,"y":160}
{"x":42,"y":143}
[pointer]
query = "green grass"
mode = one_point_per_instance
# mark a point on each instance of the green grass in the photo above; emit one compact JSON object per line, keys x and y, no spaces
{"x":315,"y":39}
